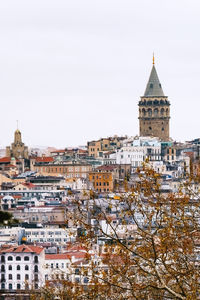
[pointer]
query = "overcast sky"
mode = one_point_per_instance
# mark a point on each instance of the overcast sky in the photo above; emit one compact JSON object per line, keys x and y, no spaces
{"x":73,"y":71}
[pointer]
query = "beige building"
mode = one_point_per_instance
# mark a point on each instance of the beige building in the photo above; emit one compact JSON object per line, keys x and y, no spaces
{"x":154,"y":109}
{"x":96,"y":148}
{"x":70,"y":171}
{"x":17,"y":149}
{"x":41,"y":215}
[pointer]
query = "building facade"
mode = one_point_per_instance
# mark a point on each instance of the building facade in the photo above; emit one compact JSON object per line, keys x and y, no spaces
{"x":154,"y":109}
{"x":22,"y":267}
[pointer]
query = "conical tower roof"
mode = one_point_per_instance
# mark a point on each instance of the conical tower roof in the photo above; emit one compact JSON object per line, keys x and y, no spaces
{"x":153,"y":88}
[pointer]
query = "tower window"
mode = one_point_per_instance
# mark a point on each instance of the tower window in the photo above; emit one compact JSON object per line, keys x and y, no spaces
{"x":155,"y":112}
{"x":151,"y":85}
{"x":162,"y":129}
{"x":149,"y":112}
{"x":150,"y":128}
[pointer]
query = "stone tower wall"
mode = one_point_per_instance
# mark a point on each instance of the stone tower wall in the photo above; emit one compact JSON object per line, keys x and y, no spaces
{"x":154,"y":115}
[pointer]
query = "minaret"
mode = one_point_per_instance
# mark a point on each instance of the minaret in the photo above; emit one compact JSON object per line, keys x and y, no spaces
{"x":154,"y":109}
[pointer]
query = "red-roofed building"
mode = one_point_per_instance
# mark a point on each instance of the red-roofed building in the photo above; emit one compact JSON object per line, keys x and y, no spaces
{"x":11,"y":164}
{"x":22,"y":267}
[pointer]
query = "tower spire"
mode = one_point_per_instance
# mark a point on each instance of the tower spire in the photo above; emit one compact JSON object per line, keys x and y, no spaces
{"x":153,"y":87}
{"x":153,"y":59}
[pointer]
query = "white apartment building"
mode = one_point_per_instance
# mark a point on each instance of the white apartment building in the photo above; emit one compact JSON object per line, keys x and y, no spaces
{"x":136,"y":150}
{"x":50,"y":234}
{"x":64,"y":266}
{"x":22,"y":267}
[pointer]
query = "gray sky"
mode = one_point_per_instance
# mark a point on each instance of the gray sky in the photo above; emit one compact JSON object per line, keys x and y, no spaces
{"x":73,"y":71}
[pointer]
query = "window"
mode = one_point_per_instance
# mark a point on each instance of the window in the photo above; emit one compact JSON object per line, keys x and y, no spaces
{"x":10,"y":286}
{"x":2,"y":277}
{"x":3,"y":286}
{"x":18,"y":277}
{"x":18,"y":258}
{"x":36,"y":286}
{"x":2,"y":258}
{"x":10,"y":276}
{"x":26,"y":268}
{"x":36,"y":277}
{"x":36,"y":259}
{"x":18,"y":267}
{"x":26,"y":258}
{"x":26,"y":277}
{"x":149,"y":112}
{"x":57,"y":266}
{"x":155,"y":112}
{"x":76,"y":271}
{"x":85,"y":280}
{"x":36,"y":269}
{"x":18,"y":286}
{"x":2,"y":268}
{"x":10,"y":258}
{"x":10,"y":268}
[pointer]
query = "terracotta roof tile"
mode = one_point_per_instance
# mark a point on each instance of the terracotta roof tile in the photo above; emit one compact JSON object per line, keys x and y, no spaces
{"x":57,"y":256}
{"x":44,"y":159}
{"x":23,"y":249}
{"x":5,"y":159}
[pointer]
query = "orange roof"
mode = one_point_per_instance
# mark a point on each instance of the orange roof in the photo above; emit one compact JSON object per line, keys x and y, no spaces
{"x":17,"y":196}
{"x":23,"y":249}
{"x":28,"y":184}
{"x":11,"y":166}
{"x":77,"y":254}
{"x":82,"y":150}
{"x":107,"y":168}
{"x":57,"y":256}
{"x":77,"y":248}
{"x":58,"y":151}
{"x":5,"y":159}
{"x":44,"y":159}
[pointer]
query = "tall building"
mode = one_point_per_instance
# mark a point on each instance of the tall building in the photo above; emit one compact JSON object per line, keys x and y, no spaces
{"x":154,"y":109}
{"x":17,"y":149}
